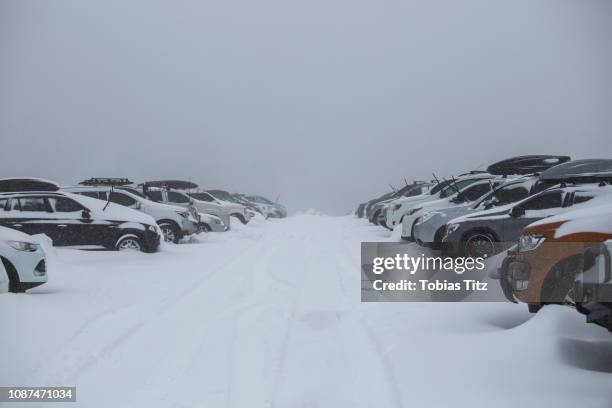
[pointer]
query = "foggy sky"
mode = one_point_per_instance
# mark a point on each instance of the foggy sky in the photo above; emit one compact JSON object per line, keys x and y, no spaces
{"x":323,"y":102}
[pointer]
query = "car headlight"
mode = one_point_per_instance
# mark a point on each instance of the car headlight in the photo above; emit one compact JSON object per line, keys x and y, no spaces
{"x":183,"y":214}
{"x":530,"y":242}
{"x":414,"y":210}
{"x":23,"y":246}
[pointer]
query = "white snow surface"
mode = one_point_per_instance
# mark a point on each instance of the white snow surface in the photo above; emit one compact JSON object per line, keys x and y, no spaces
{"x":269,"y":315}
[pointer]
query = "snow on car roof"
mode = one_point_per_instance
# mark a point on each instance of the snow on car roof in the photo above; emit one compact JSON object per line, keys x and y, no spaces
{"x":594,"y":215}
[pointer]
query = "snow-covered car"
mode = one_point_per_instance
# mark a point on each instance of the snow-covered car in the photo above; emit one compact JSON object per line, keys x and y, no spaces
{"x":267,"y":207}
{"x":550,"y":253}
{"x":593,"y":286}
{"x":79,"y":221}
{"x":460,"y":196}
{"x":212,"y":223}
{"x":429,"y":228}
{"x":223,"y":195}
{"x":235,"y":210}
{"x":175,"y":222}
{"x":377,"y":211}
{"x":23,"y":261}
{"x":401,"y":207}
{"x":487,"y":232}
{"x":182,"y":199}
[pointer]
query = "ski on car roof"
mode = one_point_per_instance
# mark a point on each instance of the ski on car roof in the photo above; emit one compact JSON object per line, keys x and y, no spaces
{"x":25,"y":184}
{"x":526,"y":164}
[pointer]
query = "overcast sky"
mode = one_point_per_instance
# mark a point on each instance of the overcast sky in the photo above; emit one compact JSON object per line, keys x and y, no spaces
{"x":323,"y":102}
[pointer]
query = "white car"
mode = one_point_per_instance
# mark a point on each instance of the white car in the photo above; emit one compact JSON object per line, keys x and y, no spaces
{"x":235,"y":210}
{"x":212,"y":223}
{"x":175,"y":222}
{"x":461,"y":196}
{"x":401,"y":207}
{"x":180,"y":198}
{"x":4,"y":280}
{"x":23,"y":261}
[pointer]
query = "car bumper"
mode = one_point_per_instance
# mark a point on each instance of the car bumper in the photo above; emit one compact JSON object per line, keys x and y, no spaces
{"x":151,"y":241}
{"x":31,"y":267}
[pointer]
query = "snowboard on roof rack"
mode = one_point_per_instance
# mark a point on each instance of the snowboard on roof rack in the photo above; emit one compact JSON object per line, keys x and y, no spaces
{"x":171,"y":184}
{"x":526,"y":164}
{"x":19,"y":184}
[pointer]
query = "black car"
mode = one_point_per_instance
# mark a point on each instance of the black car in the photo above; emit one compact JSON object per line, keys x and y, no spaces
{"x":74,"y":220}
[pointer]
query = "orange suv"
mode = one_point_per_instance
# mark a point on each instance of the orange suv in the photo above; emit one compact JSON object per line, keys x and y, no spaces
{"x":549,"y":256}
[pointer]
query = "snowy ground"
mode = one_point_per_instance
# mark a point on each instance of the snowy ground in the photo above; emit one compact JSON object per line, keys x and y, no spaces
{"x":269,"y":315}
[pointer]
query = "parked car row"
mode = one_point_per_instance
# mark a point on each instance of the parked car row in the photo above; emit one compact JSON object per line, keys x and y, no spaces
{"x":104,"y":213}
{"x":550,"y":217}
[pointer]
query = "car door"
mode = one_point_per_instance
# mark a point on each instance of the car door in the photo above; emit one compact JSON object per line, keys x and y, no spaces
{"x":31,"y":214}
{"x":75,"y":229}
{"x":540,"y":206}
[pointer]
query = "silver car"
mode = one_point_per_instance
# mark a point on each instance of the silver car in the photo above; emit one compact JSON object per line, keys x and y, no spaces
{"x":430,"y":228}
{"x":488,"y":232}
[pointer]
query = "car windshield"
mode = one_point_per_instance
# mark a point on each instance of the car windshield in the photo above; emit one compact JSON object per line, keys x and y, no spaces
{"x":455,"y":186}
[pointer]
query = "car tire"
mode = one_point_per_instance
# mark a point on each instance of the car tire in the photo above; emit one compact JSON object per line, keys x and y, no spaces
{"x":479,"y":244}
{"x":130,"y":243}
{"x":240,"y":218}
{"x":534,"y":308}
{"x":171,"y":232}
{"x":13,"y":276}
{"x":559,"y":283}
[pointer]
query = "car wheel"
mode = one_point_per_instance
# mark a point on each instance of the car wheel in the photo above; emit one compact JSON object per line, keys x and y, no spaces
{"x":558,"y":285}
{"x":170,"y":231}
{"x":479,"y":245}
{"x":129,"y":243}
{"x":14,"y":283}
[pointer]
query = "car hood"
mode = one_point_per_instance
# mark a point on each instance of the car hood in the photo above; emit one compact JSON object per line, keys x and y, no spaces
{"x":9,"y":234}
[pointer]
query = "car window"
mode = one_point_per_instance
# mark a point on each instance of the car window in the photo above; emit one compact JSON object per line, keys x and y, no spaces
{"x":64,"y":205}
{"x":582,"y":197}
{"x":475,"y":192}
{"x":175,"y":197}
{"x":34,"y":204}
{"x":155,"y":195}
{"x":94,"y":194}
{"x":553,"y":199}
{"x":505,"y":195}
{"x":122,"y":199}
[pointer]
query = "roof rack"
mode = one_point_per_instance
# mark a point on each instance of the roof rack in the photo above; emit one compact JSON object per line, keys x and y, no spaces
{"x":170,"y":184}
{"x":584,"y":171}
{"x":97,"y":181}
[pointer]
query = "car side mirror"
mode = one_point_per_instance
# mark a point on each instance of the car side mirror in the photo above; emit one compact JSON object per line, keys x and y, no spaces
{"x":138,"y":206}
{"x":459,"y":198}
{"x":517,"y":212}
{"x":86,"y":214}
